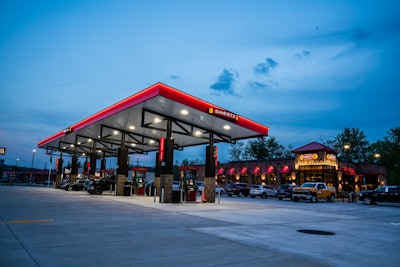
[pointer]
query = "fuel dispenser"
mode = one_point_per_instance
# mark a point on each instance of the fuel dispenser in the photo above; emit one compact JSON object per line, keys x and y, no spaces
{"x":189,"y":178}
{"x":139,"y":180}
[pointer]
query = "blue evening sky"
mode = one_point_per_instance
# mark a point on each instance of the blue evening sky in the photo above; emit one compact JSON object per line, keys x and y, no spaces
{"x":307,"y":69}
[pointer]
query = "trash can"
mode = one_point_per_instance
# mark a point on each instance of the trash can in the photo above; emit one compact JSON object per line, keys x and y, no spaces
{"x":127,"y":189}
{"x":191,"y":195}
{"x":176,"y":196}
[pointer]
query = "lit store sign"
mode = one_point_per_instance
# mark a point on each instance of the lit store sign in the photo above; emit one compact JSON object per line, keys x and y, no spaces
{"x":330,"y":156}
{"x":308,"y":156}
{"x":223,"y":114}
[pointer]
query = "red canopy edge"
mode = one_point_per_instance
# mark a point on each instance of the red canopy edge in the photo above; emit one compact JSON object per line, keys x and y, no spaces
{"x":158,"y":89}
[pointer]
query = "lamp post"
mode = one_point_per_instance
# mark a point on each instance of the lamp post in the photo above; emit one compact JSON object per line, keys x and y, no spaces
{"x":377,"y":156}
{"x":33,"y":158}
{"x":346,"y":147}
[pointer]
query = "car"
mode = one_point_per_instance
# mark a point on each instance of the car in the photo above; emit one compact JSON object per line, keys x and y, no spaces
{"x":97,"y":186}
{"x":262,"y":191}
{"x":285,"y":191}
{"x":390,"y":193}
{"x":238,"y":189}
{"x":200,"y":186}
{"x":78,"y":185}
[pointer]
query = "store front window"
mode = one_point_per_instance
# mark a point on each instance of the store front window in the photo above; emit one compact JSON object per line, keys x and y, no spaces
{"x":244,"y":178}
{"x":271,"y":179}
{"x":257,"y":179}
{"x":348,"y":183}
{"x":286,"y":178}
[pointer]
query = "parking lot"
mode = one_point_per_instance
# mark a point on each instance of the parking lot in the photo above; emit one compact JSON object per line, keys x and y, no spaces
{"x":43,"y":226}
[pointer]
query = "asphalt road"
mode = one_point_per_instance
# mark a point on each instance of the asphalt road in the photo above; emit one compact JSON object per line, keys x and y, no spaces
{"x":42,"y":226}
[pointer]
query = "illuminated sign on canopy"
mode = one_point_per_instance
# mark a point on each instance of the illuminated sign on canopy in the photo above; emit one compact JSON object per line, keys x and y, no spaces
{"x":223,"y":114}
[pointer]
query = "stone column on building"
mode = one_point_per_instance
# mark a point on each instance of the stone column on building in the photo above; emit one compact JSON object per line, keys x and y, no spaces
{"x":92,"y":165}
{"x":120,"y":184}
{"x":209,"y":175}
{"x":122,"y":170}
{"x":74,"y":167}
{"x":166,"y":170}
{"x":166,"y":157}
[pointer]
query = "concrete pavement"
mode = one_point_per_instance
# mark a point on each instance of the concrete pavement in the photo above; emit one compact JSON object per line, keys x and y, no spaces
{"x":47,"y":227}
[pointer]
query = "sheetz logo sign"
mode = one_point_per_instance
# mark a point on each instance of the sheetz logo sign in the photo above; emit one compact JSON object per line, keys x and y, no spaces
{"x":308,"y":156}
{"x":223,"y":114}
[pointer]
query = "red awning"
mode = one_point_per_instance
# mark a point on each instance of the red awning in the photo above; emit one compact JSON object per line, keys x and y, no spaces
{"x":243,"y":170}
{"x":232,"y":171}
{"x":285,"y":169}
{"x":270,"y":170}
{"x":221,"y":171}
{"x":348,"y":171}
{"x":257,"y":170}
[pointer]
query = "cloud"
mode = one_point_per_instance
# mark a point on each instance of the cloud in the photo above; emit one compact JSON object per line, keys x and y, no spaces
{"x":225,"y":82}
{"x":359,"y":35}
{"x":302,"y":54}
{"x":258,"y":86}
{"x":264,"y":68}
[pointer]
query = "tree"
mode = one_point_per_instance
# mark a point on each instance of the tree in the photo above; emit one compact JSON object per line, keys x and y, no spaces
{"x":264,"y":148}
{"x":389,"y":154}
{"x":353,"y":144}
{"x":236,"y":151}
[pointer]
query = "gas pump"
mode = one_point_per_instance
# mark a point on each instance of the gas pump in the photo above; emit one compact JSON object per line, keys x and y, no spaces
{"x":189,"y":177}
{"x":139,"y":179}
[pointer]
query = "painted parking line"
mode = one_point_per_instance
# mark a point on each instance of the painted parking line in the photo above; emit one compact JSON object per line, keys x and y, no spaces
{"x":29,"y":221}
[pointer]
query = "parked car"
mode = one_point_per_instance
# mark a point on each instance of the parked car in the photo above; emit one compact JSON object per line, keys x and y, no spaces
{"x":200,"y":186}
{"x":390,"y":193}
{"x":313,"y":191}
{"x":285,"y":191}
{"x":239,"y":189}
{"x":97,"y":186}
{"x":262,"y":191}
{"x":78,"y":185}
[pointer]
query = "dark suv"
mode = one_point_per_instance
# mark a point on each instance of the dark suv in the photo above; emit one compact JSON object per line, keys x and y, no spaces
{"x":239,"y":189}
{"x":98,"y":186}
{"x":390,"y":193}
{"x":285,"y":191}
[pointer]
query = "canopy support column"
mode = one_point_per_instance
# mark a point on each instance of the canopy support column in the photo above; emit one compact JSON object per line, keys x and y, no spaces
{"x":59,"y":171}
{"x":209,"y":177}
{"x":167,"y":159}
{"x":122,"y":170}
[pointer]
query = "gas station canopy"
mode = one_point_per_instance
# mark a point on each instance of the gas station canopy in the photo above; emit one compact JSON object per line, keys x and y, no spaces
{"x":139,"y":121}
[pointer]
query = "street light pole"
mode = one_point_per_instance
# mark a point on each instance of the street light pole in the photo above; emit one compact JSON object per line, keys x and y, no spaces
{"x":377,"y":156}
{"x":346,"y":148}
{"x":33,"y":158}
